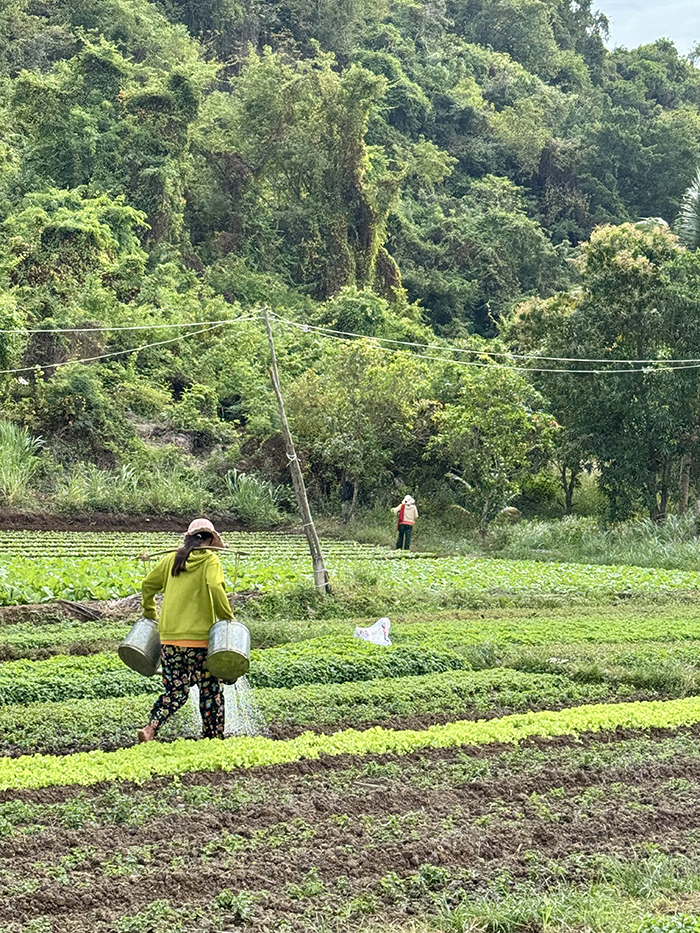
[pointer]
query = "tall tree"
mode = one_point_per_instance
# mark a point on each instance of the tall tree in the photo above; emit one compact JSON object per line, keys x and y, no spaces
{"x":491,"y":434}
{"x":637,"y":421}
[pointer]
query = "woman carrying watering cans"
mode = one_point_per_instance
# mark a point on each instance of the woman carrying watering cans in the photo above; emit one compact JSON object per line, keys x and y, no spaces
{"x":406,"y":514}
{"x":194,"y":597}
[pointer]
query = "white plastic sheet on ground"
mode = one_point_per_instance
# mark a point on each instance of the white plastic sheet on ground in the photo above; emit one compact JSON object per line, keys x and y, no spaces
{"x":378,"y":633}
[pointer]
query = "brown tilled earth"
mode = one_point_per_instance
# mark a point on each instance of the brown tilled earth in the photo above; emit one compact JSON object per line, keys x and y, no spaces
{"x":321,"y":839}
{"x":96,"y":521}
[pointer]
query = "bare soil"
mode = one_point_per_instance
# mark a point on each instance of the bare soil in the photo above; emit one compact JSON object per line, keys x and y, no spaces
{"x":311,"y":839}
{"x":63,"y":609}
{"x":104,"y":521}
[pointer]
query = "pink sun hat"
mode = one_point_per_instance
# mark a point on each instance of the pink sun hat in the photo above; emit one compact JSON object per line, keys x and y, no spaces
{"x":204,"y":525}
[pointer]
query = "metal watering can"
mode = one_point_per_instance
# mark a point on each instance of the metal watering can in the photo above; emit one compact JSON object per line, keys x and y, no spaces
{"x":228,"y":657}
{"x":140,"y":650}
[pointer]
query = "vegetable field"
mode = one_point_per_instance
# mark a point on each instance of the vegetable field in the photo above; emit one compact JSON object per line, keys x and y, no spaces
{"x":38,"y":567}
{"x":44,"y":566}
{"x":524,"y":757}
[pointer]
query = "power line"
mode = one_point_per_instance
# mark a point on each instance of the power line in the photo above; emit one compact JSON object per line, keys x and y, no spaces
{"x":101,"y":327}
{"x":329,"y":331}
{"x":333,"y":334}
{"x":119,"y":327}
{"x":113,"y":353}
{"x":330,"y":334}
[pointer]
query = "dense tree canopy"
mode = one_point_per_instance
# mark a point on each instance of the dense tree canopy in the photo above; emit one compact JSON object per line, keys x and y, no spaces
{"x":640,"y":421}
{"x":412,"y":171}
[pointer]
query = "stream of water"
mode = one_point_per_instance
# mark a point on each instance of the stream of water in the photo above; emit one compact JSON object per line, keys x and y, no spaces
{"x":243,"y":714}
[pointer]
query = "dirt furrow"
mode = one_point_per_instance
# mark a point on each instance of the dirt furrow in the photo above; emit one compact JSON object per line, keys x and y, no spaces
{"x":359,"y":831}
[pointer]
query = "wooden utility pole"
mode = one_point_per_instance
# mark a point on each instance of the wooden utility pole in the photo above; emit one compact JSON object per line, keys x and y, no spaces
{"x":321,"y":580}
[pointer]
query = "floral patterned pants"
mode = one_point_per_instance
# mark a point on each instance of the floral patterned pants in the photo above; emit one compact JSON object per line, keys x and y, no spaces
{"x":184,"y":668}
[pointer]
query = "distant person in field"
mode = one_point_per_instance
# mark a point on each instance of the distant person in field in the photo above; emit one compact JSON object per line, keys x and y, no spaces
{"x":406,"y":514}
{"x":194,"y":597}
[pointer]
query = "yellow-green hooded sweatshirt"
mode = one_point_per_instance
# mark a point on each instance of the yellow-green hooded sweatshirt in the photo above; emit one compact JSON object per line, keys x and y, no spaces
{"x":192,"y":601}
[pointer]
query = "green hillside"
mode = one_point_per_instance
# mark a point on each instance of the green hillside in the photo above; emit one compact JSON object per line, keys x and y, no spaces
{"x":412,"y":170}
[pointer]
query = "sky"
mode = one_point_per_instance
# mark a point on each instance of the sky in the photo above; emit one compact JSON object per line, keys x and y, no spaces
{"x":634,"y":22}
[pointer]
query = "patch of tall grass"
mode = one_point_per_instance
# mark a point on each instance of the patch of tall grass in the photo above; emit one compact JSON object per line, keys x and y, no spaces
{"x":254,"y":500}
{"x":565,"y":908}
{"x":673,"y":545}
{"x":19,"y":462}
{"x":613,"y":895}
{"x":127,"y":490}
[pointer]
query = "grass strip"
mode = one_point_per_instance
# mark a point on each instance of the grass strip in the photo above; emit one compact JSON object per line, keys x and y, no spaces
{"x":142,"y":762}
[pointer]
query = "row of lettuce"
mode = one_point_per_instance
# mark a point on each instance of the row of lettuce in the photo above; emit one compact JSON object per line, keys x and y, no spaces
{"x":270,"y":545}
{"x":452,"y":665}
{"x":104,"y":707}
{"x":449,"y":580}
{"x":83,"y":724}
{"x":141,"y":762}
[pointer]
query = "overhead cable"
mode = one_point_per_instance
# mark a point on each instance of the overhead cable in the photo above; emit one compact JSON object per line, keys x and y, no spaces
{"x":634,"y":366}
{"x":114,"y":353}
{"x":330,"y":334}
{"x":329,"y":331}
{"x":114,"y":327}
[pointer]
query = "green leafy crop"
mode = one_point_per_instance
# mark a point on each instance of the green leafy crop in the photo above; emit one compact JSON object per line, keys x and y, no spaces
{"x":45,"y":566}
{"x":91,"y":723}
{"x":144,"y":761}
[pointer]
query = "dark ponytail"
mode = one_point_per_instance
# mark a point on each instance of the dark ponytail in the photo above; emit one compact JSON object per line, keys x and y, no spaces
{"x":192,"y":542}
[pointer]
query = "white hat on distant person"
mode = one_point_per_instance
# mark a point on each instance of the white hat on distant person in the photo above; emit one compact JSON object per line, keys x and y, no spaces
{"x":409,"y":500}
{"x":204,"y":525}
